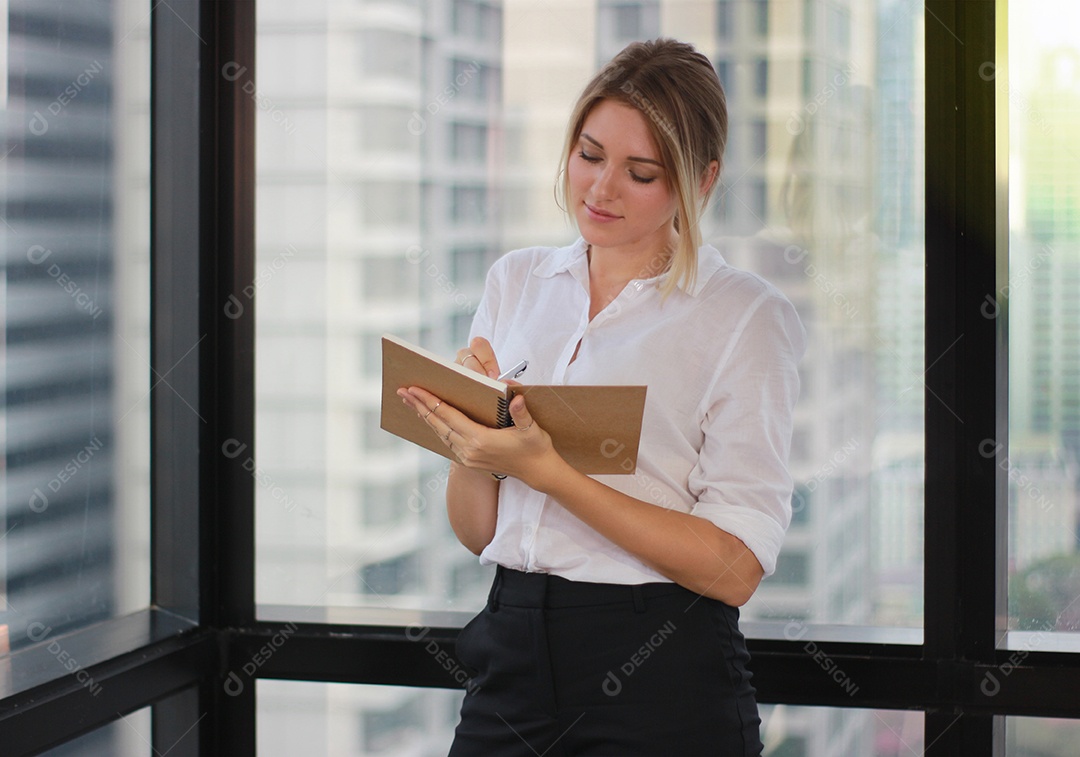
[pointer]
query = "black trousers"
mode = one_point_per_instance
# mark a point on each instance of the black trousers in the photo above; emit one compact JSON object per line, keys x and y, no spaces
{"x":568,"y":668}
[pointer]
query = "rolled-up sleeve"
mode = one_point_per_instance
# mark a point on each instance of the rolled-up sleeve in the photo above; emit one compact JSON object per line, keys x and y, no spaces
{"x":741,"y":481}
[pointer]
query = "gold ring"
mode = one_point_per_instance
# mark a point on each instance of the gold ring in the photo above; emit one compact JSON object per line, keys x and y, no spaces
{"x":526,"y":428}
{"x":470,"y":355}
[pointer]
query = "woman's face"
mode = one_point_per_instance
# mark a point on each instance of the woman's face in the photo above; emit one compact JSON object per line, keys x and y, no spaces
{"x":619,"y":190}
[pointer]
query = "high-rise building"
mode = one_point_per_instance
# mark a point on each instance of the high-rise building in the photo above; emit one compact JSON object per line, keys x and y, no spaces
{"x":74,"y":367}
{"x":58,"y":427}
{"x":416,"y":214}
{"x":898,"y":466}
{"x":379,"y":210}
{"x":1042,"y":461}
{"x":1046,"y":262}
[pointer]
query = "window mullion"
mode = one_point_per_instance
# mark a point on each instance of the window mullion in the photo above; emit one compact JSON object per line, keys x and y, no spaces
{"x":964,"y":385}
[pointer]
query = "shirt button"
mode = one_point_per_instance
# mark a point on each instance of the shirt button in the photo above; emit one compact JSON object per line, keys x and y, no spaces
{"x":528,"y":531}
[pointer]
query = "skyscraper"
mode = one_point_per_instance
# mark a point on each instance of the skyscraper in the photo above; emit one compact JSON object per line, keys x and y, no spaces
{"x":59,"y":432}
{"x":379,"y":210}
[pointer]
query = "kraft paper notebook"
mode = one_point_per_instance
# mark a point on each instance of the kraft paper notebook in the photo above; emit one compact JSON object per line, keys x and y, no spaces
{"x":595,"y":428}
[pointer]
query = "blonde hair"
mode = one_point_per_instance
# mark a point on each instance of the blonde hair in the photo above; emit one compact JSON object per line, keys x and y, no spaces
{"x":677,"y":90}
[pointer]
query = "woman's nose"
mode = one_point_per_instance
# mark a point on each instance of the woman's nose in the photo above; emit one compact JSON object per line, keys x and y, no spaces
{"x":604,"y":184}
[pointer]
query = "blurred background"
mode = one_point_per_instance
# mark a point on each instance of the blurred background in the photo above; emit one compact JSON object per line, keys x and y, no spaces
{"x":403,"y":145}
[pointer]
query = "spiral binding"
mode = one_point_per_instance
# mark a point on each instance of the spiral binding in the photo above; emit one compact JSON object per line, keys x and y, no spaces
{"x":503,"y":413}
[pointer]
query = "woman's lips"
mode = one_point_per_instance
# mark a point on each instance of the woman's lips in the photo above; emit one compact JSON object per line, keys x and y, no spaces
{"x":601,"y":216}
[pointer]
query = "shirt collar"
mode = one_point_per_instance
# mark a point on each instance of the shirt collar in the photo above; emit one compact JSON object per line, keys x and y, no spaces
{"x":563,"y":259}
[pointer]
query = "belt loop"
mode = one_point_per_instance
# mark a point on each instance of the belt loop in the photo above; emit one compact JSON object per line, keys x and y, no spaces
{"x":639,"y":598}
{"x":493,"y":600}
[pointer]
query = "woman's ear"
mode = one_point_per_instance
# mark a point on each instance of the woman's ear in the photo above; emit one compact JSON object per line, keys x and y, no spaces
{"x":708,"y":178}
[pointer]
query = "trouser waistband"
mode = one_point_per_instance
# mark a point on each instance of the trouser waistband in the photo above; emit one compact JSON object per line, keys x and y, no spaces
{"x":515,"y":588}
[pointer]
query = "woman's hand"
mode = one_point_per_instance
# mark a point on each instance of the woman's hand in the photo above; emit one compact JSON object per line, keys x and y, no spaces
{"x":524,"y":450}
{"x":479,"y":357}
{"x":472,"y":496}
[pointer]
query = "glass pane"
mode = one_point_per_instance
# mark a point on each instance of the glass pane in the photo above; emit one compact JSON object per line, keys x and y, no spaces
{"x":346,"y":720}
{"x":1041,"y":737}
{"x":376,"y":213}
{"x":824,"y":187}
{"x":340,"y":720}
{"x":74,"y":315}
{"x":1041,"y":298}
{"x":393,"y":169}
{"x":789,"y":731}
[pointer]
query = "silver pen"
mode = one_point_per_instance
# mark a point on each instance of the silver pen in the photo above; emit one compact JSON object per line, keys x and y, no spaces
{"x":514,"y":372}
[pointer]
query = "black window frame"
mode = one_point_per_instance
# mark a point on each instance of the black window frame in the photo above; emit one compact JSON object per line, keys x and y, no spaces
{"x":188,"y":653}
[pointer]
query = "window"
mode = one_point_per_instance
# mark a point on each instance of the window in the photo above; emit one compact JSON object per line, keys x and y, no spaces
{"x":381,"y":130}
{"x":388,"y":54}
{"x":761,"y":17}
{"x":469,"y":143}
{"x":1039,"y":460}
{"x":725,"y":74}
{"x":761,"y":78}
{"x":74,"y":321}
{"x":791,"y":569}
{"x":725,"y":19}
{"x":390,"y":279}
{"x":387,"y":204}
{"x":396,"y":575}
{"x":628,"y":21}
{"x":934,"y":366}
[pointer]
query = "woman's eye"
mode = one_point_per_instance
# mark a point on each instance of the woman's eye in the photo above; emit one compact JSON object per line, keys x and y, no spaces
{"x":642,"y":179}
{"x":590,"y":158}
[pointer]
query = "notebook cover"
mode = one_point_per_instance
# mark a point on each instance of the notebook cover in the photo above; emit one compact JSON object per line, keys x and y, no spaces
{"x":597,"y":429}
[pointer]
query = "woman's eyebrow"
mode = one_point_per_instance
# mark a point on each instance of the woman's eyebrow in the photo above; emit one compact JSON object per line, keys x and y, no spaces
{"x":633,"y":158}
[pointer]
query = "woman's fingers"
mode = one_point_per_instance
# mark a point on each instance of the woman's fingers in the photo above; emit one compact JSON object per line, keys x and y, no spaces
{"x":446,"y":421}
{"x":479,"y":357}
{"x":523,"y":421}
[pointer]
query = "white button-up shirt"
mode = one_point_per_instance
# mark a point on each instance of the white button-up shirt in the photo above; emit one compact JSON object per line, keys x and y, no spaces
{"x":720,"y":363}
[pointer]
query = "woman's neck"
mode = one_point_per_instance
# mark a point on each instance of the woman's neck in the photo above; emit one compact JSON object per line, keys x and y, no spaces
{"x":612,"y":268}
{"x":615,"y":266}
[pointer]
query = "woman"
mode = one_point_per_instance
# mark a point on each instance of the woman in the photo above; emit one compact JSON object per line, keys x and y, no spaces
{"x":611,"y":627}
